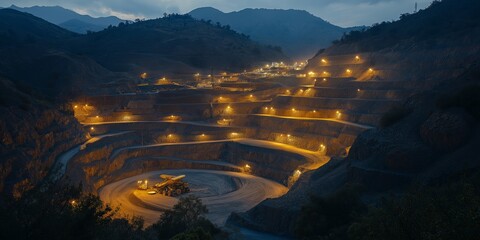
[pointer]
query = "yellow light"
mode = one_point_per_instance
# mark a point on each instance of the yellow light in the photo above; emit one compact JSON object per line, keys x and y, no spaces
{"x":247,"y":166}
{"x":86,"y":105}
{"x":288,"y":135}
{"x":357,"y":57}
{"x":358,"y":90}
{"x":349,"y":71}
{"x":266,"y":108}
{"x":314,"y":111}
{"x":228,"y":107}
{"x":76,"y":106}
{"x":370,"y":69}
{"x":288,"y":91}
{"x":251,"y":95}
{"x":301,"y":90}
{"x":324,"y":60}
{"x":92,"y":129}
{"x":271,"y":108}
{"x":203,"y":134}
{"x":293,"y":109}
{"x":339,"y":114}
{"x":169,"y":135}
{"x":311,"y":73}
{"x":324,"y":79}
{"x":97,"y":116}
{"x":143,"y":75}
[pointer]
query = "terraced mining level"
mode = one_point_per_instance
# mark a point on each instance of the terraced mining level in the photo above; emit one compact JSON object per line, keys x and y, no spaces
{"x":252,"y":138}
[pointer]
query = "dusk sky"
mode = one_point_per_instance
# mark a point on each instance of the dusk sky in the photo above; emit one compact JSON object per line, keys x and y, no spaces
{"x":340,"y":12}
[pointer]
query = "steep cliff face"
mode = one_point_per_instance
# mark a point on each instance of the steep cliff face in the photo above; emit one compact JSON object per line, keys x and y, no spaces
{"x":32,"y":135}
{"x":431,"y":139}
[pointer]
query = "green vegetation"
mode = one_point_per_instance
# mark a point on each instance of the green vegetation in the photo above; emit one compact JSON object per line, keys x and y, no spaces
{"x":468,"y":98}
{"x":448,"y":20}
{"x":329,"y":218}
{"x":186,"y":216}
{"x":394,"y":115}
{"x":445,"y":212}
{"x":448,"y":210}
{"x":57,"y":211}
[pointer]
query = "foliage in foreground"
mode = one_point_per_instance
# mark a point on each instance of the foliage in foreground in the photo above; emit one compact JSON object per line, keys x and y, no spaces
{"x":58,"y":211}
{"x":186,"y":216}
{"x":445,"y":211}
{"x":328,"y":218}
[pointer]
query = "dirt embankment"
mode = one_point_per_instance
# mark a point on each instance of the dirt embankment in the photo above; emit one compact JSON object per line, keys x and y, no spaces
{"x":31,"y":139}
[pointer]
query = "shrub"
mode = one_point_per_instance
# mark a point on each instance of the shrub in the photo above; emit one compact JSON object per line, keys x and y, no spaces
{"x":186,"y":215}
{"x":329,"y":217}
{"x":441,"y":212}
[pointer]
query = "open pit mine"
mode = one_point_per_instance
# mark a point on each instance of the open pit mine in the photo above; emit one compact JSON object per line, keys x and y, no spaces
{"x":235,"y":139}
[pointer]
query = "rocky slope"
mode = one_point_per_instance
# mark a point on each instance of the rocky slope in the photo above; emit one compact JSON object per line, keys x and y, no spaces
{"x":33,"y":134}
{"x":432,"y":137}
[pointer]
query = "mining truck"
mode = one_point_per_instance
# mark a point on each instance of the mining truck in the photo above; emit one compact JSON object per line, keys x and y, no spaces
{"x":172,"y":186}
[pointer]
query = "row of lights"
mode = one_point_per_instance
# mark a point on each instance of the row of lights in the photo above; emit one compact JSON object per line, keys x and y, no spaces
{"x":76,"y":106}
{"x":324,"y":61}
{"x":326,"y":74}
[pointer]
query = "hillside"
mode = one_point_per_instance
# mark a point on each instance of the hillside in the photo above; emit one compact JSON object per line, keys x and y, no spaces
{"x":35,"y":55}
{"x":176,"y":43}
{"x":69,"y":19}
{"x":299,"y":33}
{"x":44,"y":56}
{"x":426,"y":143}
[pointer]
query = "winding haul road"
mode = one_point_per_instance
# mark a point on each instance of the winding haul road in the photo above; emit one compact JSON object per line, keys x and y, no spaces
{"x":222,"y":192}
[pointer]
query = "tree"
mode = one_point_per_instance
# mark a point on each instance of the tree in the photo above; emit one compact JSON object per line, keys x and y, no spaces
{"x":186,"y":215}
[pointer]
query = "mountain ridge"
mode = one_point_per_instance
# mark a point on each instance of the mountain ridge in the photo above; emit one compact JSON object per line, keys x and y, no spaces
{"x":61,"y":16}
{"x":298,"y":32}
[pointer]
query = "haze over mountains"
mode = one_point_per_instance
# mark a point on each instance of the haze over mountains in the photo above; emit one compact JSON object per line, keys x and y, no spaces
{"x":299,"y":33}
{"x":69,"y":19}
{"x":44,"y":55}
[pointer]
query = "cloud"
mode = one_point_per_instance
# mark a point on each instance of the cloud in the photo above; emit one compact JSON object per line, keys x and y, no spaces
{"x":340,"y":12}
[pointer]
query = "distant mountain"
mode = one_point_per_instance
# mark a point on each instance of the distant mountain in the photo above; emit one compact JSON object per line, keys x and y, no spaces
{"x":79,"y":26}
{"x":35,"y":54}
{"x":174,"y":43}
{"x":69,"y":19}
{"x":299,"y":33}
{"x":41,"y":55}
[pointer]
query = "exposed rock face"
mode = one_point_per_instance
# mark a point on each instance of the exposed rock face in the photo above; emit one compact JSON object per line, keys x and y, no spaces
{"x":381,"y":160}
{"x":110,"y":160}
{"x":446,"y":131}
{"x":30,"y":141}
